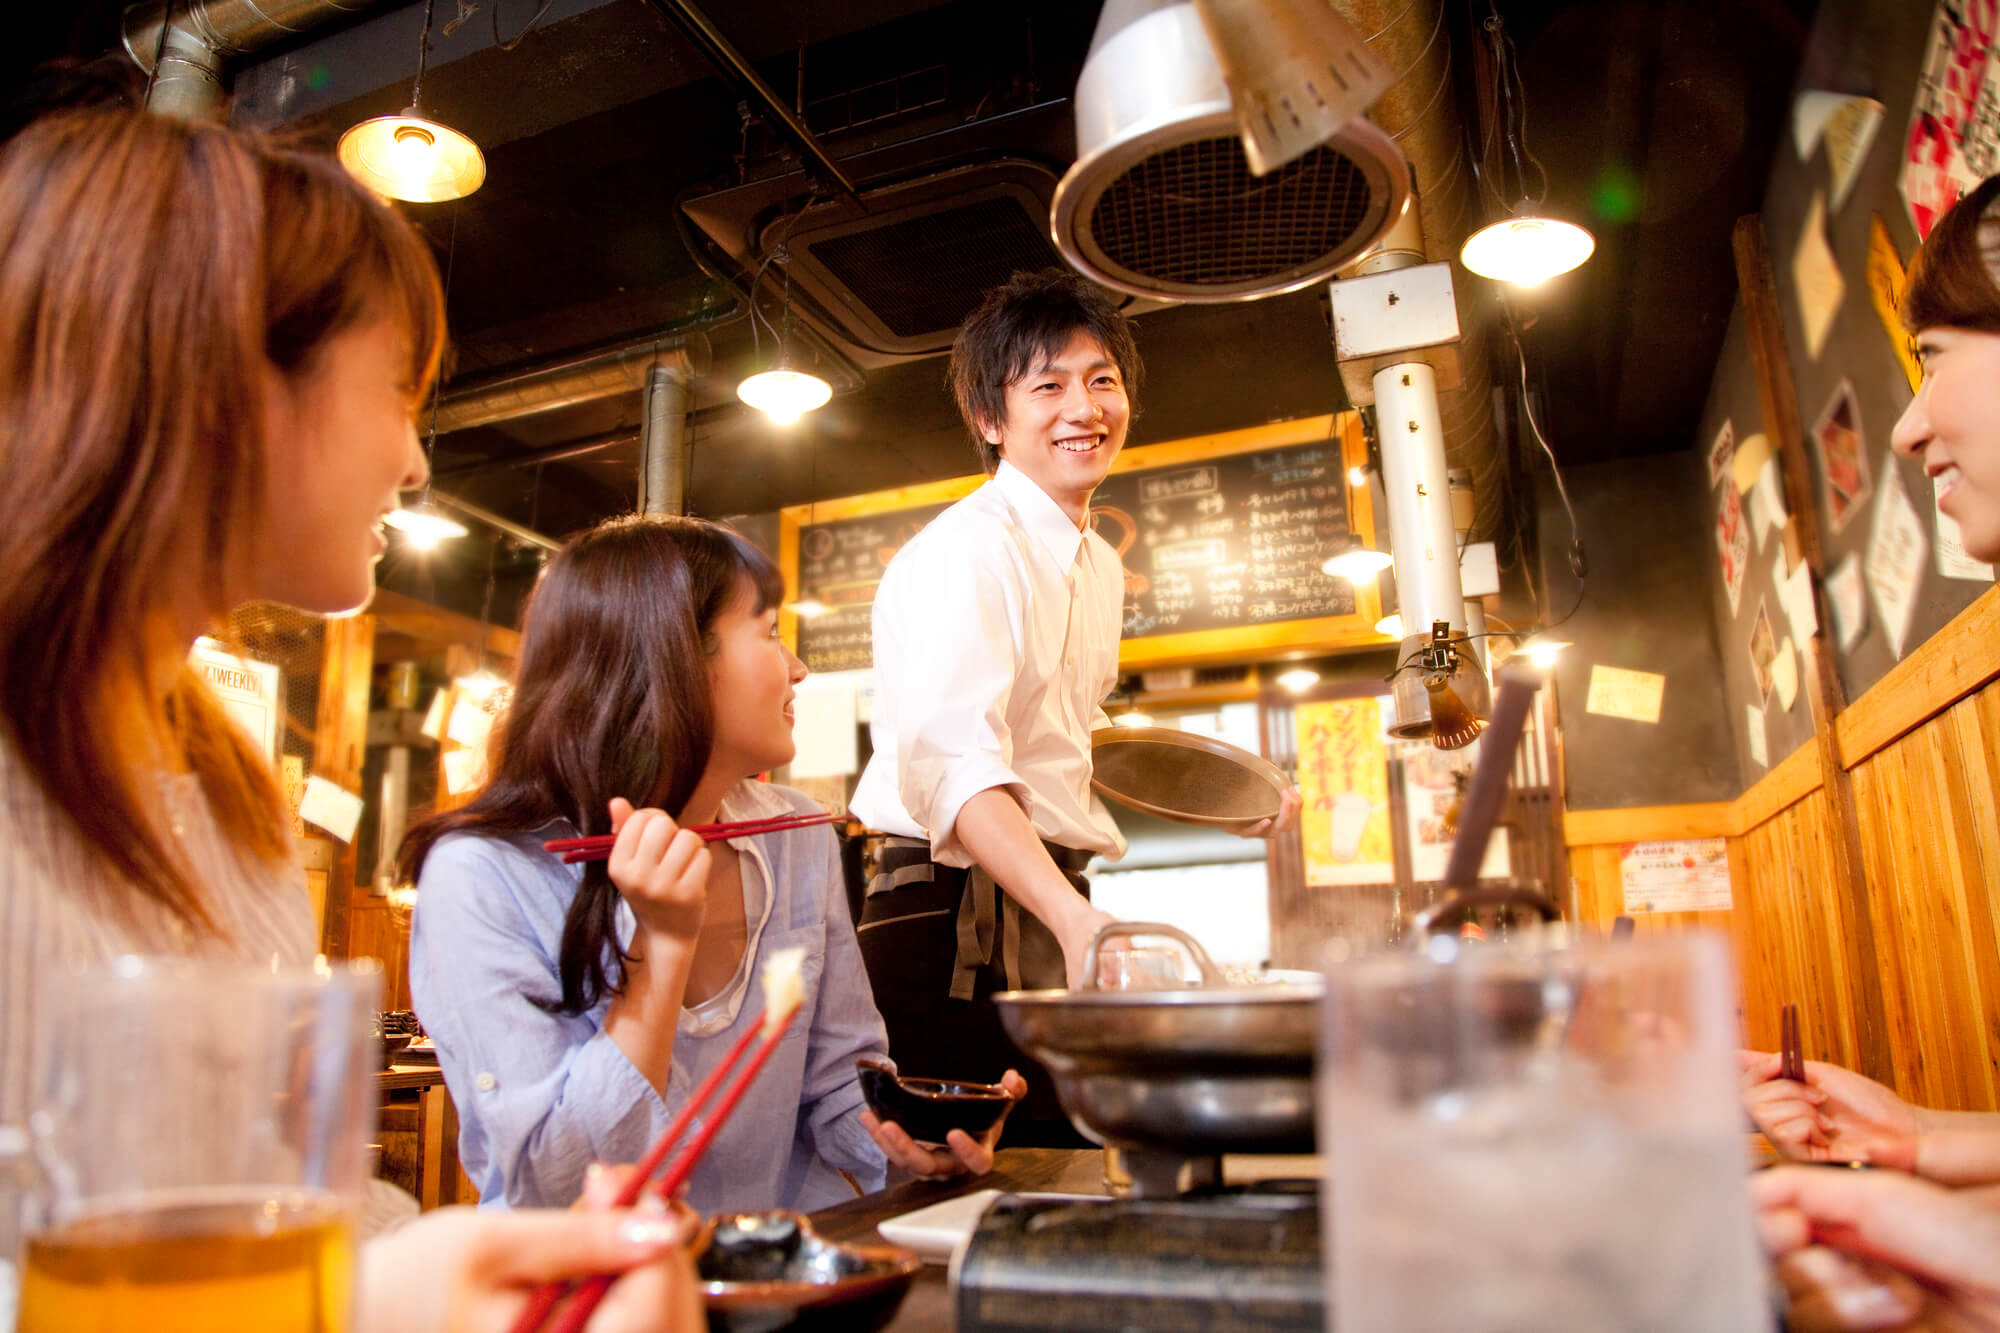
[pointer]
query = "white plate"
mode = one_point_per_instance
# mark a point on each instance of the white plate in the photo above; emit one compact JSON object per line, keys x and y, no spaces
{"x":934,"y":1232}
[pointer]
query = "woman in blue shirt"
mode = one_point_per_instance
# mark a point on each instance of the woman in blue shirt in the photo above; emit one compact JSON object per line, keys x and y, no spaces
{"x":575,"y":1007}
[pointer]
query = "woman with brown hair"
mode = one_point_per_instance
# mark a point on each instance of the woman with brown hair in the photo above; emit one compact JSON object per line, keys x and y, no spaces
{"x":575,"y":1007}
{"x":211,"y":349}
{"x":1870,"y":1250}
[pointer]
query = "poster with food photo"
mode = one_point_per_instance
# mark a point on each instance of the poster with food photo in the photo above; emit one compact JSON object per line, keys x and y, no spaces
{"x":1732,"y":537}
{"x":1843,"y":456}
{"x":1763,"y":653}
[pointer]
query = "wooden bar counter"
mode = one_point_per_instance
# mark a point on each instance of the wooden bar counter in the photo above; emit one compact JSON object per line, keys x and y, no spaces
{"x":928,"y":1307}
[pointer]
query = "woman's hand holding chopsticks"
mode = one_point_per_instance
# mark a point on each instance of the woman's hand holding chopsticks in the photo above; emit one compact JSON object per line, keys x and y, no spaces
{"x":660,"y":868}
{"x":963,"y":1154}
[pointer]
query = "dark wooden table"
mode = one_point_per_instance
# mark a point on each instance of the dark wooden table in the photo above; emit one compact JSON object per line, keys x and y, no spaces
{"x":927,"y":1309}
{"x":437,"y":1131}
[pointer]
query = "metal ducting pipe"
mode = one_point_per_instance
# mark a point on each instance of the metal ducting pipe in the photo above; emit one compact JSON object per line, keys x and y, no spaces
{"x":188,"y":83}
{"x":545,"y":388}
{"x":663,"y":454}
{"x":1420,"y":113}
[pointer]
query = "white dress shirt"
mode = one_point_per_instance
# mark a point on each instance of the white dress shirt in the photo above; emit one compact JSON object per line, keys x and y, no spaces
{"x":996,"y":642}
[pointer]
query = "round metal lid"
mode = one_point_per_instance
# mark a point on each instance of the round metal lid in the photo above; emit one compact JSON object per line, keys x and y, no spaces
{"x":1185,"y":777}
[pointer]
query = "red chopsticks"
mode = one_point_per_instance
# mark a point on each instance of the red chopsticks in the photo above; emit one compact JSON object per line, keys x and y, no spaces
{"x":592,"y":1290}
{"x":598,"y":848}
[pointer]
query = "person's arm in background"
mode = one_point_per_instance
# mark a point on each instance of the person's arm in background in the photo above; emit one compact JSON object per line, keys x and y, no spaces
{"x":995,"y":830}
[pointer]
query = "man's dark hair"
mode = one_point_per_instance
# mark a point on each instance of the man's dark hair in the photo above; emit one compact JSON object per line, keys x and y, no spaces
{"x":1023,"y":323}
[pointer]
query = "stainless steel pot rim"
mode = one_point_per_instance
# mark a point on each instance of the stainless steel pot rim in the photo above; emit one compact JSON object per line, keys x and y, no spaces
{"x":1202,"y":997}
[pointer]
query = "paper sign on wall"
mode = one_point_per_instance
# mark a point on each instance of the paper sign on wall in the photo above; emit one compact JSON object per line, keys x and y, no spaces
{"x":1885,"y":293}
{"x":825,"y":728}
{"x":1720,"y":452}
{"x":1816,"y":279}
{"x":1753,"y":724}
{"x":336,"y":811}
{"x":1685,"y":875}
{"x":1795,"y":593}
{"x":1847,"y":123}
{"x":1767,"y":501}
{"x":248,"y":690}
{"x":1763,"y":652}
{"x":1732,"y":539}
{"x":1616,"y":692}
{"x":1953,"y":561}
{"x":1785,"y":675}
{"x":1953,"y":141}
{"x":1895,"y":562}
{"x":1847,"y":600}
{"x":1843,"y":455}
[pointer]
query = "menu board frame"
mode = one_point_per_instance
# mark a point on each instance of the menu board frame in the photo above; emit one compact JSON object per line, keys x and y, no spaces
{"x":1317,"y":634}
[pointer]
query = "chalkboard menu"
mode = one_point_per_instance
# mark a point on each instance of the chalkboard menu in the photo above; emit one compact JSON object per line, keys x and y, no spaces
{"x":1216,"y":543}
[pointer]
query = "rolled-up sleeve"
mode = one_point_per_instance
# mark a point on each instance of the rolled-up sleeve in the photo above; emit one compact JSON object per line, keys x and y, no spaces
{"x":948,"y":635}
{"x":540,"y":1095}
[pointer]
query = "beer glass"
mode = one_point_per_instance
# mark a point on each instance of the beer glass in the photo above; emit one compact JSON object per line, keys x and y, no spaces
{"x":1527,"y":1139}
{"x":198,"y":1131}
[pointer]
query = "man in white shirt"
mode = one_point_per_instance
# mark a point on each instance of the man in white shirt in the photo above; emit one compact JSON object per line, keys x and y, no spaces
{"x":995,"y":642}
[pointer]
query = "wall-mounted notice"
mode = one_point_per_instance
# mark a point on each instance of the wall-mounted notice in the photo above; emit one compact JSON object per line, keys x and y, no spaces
{"x":248,"y":690}
{"x":1344,"y":792}
{"x":1895,"y":559}
{"x":1616,"y":692}
{"x":1686,"y":875}
{"x":1885,"y":293}
{"x":1212,"y":540}
{"x":1732,"y":539}
{"x":1720,"y":452}
{"x":1953,"y":141}
{"x":1816,"y":279}
{"x":1843,"y":455}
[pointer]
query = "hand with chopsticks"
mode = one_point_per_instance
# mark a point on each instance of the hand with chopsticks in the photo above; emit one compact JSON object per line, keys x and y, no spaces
{"x":963,"y":1154}
{"x":1831,"y":1115}
{"x":660,"y":868}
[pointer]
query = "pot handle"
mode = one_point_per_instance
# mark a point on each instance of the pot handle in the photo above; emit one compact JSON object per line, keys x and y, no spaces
{"x":1211,"y":975}
{"x":1457,"y":901}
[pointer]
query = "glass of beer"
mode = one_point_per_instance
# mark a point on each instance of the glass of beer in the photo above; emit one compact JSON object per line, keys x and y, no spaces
{"x":199,"y":1131}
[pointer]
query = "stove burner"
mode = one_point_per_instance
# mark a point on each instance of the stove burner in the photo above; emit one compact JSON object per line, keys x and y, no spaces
{"x":1243,"y":1259}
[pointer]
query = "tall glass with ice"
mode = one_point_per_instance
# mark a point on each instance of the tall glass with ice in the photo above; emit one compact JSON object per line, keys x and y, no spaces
{"x":1525,"y":1139}
{"x":199,"y":1134}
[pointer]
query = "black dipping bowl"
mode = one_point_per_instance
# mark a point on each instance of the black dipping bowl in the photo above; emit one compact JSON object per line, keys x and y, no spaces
{"x":761,"y":1272}
{"x":928,"y":1109}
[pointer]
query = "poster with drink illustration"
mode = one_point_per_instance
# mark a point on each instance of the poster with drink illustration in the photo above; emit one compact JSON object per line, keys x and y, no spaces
{"x":1843,"y":456}
{"x":1344,"y":792}
{"x":1732,"y":536}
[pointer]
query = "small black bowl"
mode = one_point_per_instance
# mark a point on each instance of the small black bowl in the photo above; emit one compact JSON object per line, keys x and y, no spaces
{"x":761,"y":1272}
{"x":928,"y":1109}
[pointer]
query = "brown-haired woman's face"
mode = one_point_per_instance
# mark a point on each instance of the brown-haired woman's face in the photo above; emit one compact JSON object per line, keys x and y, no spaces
{"x":1953,"y":425}
{"x":342,"y":443}
{"x":751,"y":674}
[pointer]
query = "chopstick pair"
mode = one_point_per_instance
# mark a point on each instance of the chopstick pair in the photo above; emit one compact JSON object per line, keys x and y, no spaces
{"x":591,"y":1290}
{"x":598,"y":847}
{"x":1791,"y":1054}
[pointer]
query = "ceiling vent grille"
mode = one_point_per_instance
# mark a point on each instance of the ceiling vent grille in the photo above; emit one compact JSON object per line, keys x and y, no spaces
{"x":1162,"y":202}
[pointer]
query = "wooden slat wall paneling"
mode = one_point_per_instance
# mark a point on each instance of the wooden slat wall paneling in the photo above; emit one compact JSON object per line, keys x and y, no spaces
{"x":1777,"y":396}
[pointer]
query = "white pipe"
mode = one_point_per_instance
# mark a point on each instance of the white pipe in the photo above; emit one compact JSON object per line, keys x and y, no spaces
{"x":1414,"y":476}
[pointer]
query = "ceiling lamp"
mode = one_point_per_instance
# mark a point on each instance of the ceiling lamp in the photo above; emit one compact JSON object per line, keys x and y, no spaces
{"x":784,"y":395}
{"x":424,"y":525}
{"x":1299,"y":679}
{"x":1544,"y":652}
{"x":1528,"y":246}
{"x":1357,"y":564}
{"x":1525,"y":249}
{"x":410,"y":156}
{"x":1297,"y":74}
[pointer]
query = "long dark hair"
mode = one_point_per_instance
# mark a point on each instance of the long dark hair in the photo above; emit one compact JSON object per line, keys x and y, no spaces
{"x":154,"y":273}
{"x":611,"y":698}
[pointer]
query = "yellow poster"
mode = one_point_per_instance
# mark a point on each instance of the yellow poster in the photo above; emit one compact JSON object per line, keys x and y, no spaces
{"x":1885,"y":293}
{"x":1344,"y":784}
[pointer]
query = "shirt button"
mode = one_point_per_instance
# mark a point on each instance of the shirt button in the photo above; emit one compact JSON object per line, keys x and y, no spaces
{"x":485,"y":1082}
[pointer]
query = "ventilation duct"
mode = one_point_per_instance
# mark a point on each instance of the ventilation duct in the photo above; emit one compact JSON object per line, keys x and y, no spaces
{"x":188,"y":82}
{"x":1162,"y":201}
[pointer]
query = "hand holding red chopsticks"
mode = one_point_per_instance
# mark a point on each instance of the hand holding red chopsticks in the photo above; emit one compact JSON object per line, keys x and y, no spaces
{"x":781,"y":1000}
{"x":598,"y":848}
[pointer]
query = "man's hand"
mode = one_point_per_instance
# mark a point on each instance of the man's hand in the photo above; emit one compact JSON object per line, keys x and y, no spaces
{"x":1288,"y":815}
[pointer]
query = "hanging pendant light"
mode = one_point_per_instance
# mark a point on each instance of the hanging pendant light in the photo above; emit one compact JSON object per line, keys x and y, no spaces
{"x":1357,"y":564}
{"x":1527,"y":248}
{"x":782,"y":393}
{"x":410,"y":156}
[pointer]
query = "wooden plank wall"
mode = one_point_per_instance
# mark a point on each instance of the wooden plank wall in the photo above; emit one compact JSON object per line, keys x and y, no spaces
{"x":1922,"y":749}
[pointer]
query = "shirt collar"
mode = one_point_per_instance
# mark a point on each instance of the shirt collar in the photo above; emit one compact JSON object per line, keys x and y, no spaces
{"x":1039,"y":514}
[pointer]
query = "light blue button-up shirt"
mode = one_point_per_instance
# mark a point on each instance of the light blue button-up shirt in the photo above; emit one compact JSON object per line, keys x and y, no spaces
{"x":541,"y":1095}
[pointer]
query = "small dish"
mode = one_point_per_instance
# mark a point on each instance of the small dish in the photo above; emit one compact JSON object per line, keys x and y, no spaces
{"x":928,"y":1109}
{"x":762,"y":1272}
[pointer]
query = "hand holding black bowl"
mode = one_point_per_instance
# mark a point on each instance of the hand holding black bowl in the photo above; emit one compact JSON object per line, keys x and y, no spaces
{"x":935,"y":1128}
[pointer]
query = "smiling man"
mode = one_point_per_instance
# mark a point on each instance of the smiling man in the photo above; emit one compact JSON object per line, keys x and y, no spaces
{"x":996,"y":641}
